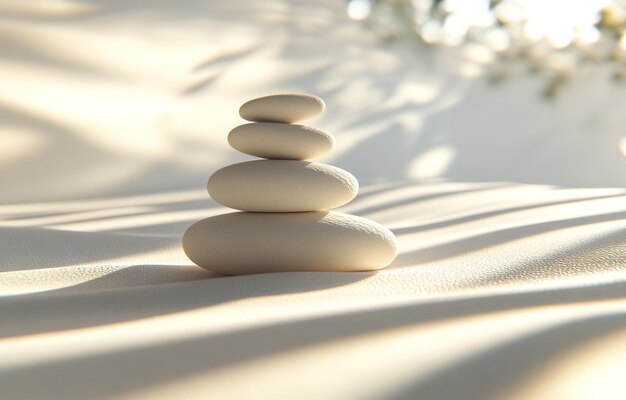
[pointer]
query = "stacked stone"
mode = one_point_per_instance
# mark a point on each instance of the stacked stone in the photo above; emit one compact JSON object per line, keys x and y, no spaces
{"x":285,"y":224}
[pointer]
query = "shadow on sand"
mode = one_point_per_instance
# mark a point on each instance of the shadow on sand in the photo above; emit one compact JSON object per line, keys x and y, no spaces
{"x":126,"y":370}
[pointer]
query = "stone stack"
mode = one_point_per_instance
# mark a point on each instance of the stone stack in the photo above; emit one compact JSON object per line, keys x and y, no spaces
{"x":285,"y":224}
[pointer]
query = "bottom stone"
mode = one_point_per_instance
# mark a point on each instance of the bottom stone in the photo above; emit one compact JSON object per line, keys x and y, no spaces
{"x":248,"y":243}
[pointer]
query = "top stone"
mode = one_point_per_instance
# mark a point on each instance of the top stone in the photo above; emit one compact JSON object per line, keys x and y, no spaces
{"x":285,"y":108}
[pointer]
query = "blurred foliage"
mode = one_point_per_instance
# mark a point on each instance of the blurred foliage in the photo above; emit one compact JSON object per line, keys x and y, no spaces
{"x":549,"y":38}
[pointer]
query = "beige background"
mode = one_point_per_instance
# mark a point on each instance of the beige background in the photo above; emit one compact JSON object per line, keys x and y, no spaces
{"x":510,"y":212}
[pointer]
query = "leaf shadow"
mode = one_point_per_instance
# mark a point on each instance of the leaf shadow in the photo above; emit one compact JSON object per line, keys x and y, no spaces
{"x":155,"y":291}
{"x":511,"y":364}
{"x":145,"y":366}
{"x":495,"y":213}
{"x":494,"y":238}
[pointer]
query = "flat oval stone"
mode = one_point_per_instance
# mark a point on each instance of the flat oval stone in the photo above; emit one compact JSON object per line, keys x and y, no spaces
{"x":286,"y":108}
{"x":282,"y":186}
{"x":249,"y":243}
{"x":282,"y":141}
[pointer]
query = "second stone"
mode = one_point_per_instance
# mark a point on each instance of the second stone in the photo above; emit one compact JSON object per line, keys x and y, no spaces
{"x":282,"y":186}
{"x":281,"y":141}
